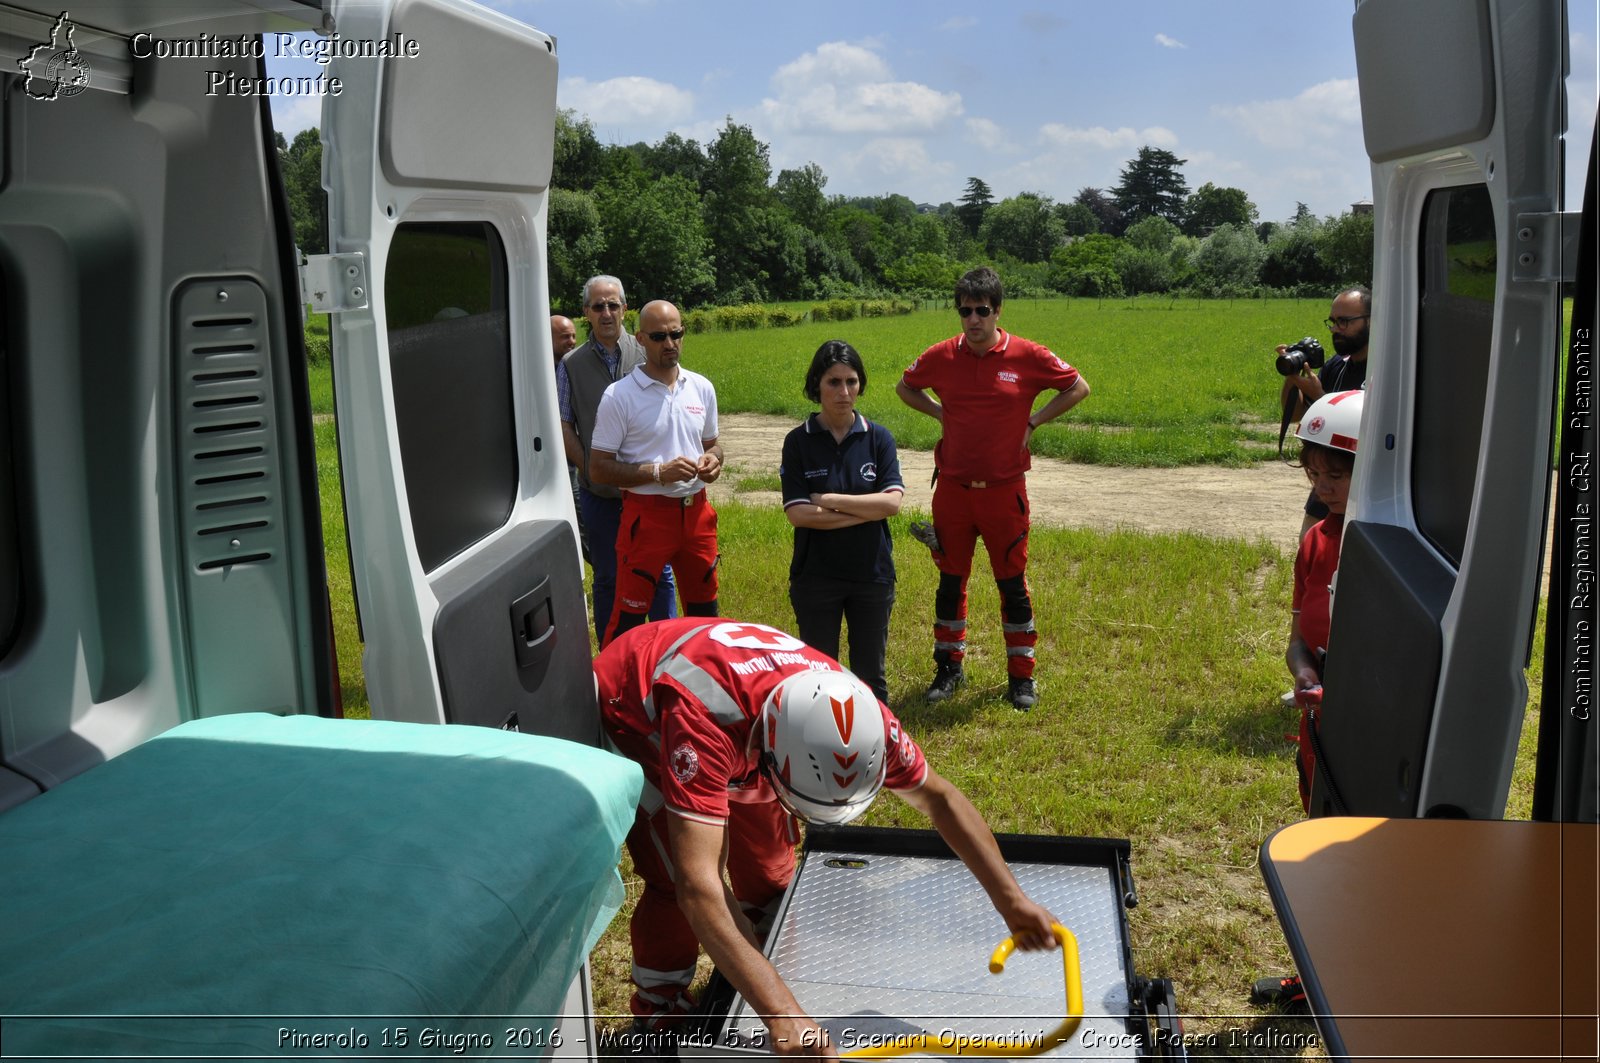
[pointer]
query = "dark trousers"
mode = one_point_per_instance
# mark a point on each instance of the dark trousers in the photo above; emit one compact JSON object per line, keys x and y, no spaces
{"x":821,"y":602}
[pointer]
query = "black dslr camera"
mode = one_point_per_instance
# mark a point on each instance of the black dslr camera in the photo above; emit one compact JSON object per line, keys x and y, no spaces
{"x":1307,"y":353}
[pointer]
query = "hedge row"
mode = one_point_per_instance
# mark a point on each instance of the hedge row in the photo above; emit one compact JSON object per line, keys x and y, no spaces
{"x":753,"y":316}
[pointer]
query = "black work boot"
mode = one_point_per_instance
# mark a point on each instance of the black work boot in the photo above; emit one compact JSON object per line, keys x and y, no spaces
{"x":1021,"y":693}
{"x":945,"y":680}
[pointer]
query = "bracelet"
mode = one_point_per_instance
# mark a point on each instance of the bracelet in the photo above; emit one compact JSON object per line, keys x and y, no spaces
{"x":656,"y":473}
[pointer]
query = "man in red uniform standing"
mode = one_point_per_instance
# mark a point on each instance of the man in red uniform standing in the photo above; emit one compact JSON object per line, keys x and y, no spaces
{"x":655,"y":437}
{"x":986,"y":380}
{"x":736,"y":727}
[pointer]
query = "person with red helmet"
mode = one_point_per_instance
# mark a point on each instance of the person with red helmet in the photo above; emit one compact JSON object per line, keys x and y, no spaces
{"x":1329,"y":433}
{"x":740,"y":727}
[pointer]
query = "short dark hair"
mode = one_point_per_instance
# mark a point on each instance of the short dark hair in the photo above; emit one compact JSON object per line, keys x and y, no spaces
{"x":1360,"y":290}
{"x":983,"y":284}
{"x":1335,"y":456}
{"x":834,"y":352}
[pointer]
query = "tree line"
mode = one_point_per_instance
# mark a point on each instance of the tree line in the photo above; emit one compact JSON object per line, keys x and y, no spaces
{"x":712,"y":225}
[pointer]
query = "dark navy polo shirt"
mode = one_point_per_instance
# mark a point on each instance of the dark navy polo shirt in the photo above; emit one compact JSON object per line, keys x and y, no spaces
{"x":864,"y":464}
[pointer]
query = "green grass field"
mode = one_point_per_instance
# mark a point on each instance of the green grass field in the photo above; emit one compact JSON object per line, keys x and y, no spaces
{"x":1174,"y":382}
{"x":1160,"y":656}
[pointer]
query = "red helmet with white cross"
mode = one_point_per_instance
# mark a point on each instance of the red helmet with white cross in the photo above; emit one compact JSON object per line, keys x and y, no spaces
{"x":823,"y":745}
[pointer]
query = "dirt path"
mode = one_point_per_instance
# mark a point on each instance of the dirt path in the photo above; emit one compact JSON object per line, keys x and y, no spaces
{"x":1263,"y":502}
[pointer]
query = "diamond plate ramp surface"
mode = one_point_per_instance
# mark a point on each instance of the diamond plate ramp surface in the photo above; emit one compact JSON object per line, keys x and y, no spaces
{"x":881,"y":946}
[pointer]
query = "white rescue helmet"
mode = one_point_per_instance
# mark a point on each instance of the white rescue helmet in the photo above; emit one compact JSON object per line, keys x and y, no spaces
{"x":822,"y":745}
{"x":1334,"y":421}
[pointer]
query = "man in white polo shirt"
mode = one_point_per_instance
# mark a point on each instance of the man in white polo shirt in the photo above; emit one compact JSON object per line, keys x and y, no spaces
{"x":655,"y":436}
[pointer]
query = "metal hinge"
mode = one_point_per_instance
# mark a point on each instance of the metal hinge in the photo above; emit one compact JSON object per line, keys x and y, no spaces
{"x":334,"y":283}
{"x":1546,"y":247}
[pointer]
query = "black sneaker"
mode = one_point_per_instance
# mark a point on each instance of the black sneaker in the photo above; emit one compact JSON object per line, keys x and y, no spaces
{"x":1285,"y":992}
{"x":945,"y":680}
{"x":1021,"y":693}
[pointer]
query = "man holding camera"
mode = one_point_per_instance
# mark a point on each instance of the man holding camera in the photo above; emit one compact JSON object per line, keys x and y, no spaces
{"x":1349,"y":320}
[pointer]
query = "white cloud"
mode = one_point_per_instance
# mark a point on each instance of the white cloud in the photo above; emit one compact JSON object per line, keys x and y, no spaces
{"x":988,"y":135}
{"x":626,"y":101}
{"x":1099,"y":138}
{"x":845,"y":88}
{"x":1169,"y":42}
{"x":1321,"y":115}
{"x":888,"y":162}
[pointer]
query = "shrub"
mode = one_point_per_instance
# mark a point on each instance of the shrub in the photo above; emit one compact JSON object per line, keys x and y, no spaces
{"x":318,"y":350}
{"x":737,"y":318}
{"x":783,"y":317}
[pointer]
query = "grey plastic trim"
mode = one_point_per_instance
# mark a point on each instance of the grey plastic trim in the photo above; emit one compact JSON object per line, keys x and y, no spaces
{"x":1437,"y":51}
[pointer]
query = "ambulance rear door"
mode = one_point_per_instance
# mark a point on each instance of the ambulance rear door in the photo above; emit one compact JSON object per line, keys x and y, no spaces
{"x":1439,"y":575}
{"x":437,"y":159}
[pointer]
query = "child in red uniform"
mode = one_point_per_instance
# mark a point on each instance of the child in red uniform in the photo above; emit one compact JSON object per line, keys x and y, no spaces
{"x":1330,"y":431}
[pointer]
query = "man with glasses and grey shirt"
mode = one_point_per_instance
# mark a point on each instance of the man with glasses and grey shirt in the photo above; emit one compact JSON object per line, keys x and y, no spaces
{"x":581,"y":379}
{"x":655,"y":437}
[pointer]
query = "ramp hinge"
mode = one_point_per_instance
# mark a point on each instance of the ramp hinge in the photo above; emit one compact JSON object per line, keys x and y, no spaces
{"x":334,"y":283}
{"x":1545,"y":247}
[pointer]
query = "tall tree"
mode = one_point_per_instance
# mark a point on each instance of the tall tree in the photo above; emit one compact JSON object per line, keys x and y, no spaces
{"x":1211,"y":206}
{"x":736,"y":201}
{"x":1112,"y":223}
{"x":975,"y":204}
{"x":1023,"y":227}
{"x":1228,"y":261}
{"x":801,"y":191}
{"x":300,"y":164}
{"x":579,"y":158}
{"x":574,"y":242}
{"x":655,"y":239}
{"x":673,"y":155}
{"x":1152,"y":184}
{"x":1077,"y":219}
{"x":1344,"y":245}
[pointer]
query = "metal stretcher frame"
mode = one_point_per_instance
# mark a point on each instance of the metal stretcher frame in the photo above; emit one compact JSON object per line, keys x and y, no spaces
{"x":884,"y":935}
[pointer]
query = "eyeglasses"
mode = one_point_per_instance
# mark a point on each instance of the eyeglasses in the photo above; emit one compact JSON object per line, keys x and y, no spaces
{"x":1342,"y":323}
{"x":968,"y":311}
{"x":601,"y":308}
{"x":662,"y":337}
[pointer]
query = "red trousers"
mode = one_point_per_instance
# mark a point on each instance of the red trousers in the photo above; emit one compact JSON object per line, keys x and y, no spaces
{"x":657,"y":530}
{"x":962,"y":512}
{"x":761,"y":839}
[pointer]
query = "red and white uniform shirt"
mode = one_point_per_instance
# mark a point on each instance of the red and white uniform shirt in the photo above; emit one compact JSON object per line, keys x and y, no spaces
{"x":987,"y":400}
{"x":684,"y":698}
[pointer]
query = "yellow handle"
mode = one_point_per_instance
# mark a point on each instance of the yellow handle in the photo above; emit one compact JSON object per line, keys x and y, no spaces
{"x":952,"y":1044}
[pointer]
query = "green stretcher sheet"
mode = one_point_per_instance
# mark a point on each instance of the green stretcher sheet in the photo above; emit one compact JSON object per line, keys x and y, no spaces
{"x":242,"y":876}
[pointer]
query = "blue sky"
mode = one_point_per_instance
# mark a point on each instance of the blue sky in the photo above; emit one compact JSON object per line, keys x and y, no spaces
{"x":1047,"y":96}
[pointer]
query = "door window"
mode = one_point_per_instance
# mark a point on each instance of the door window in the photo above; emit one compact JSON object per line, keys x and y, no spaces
{"x":1457,"y":271}
{"x":445,"y":297}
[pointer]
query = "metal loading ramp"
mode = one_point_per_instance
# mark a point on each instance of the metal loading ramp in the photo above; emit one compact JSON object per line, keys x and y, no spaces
{"x":884,"y":935}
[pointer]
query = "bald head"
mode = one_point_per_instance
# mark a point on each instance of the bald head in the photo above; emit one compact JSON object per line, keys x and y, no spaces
{"x":661,"y":335}
{"x":563,"y":335}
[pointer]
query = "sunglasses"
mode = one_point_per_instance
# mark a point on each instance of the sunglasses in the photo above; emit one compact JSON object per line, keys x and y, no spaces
{"x":601,"y":308}
{"x":662,"y":337}
{"x":968,"y":311}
